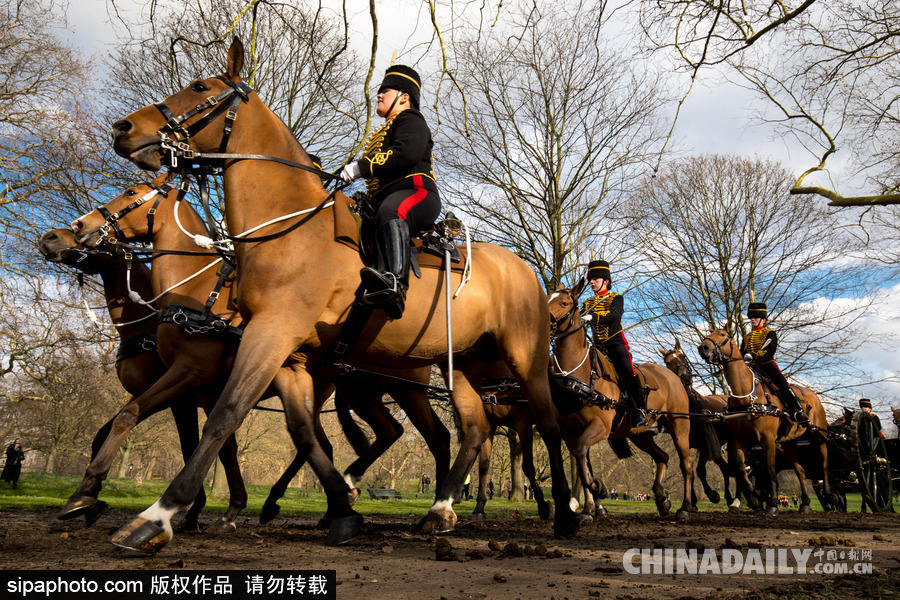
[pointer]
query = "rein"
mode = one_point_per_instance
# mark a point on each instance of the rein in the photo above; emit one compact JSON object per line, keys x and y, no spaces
{"x":720,"y":359}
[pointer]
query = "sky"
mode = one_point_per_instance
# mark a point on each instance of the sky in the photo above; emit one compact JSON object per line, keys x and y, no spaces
{"x":713,"y":120}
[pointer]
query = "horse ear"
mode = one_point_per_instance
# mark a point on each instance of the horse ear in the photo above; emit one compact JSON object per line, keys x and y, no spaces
{"x":677,"y":345}
{"x":235,"y":59}
{"x":727,"y":326}
{"x":579,"y":287}
{"x":661,"y":351}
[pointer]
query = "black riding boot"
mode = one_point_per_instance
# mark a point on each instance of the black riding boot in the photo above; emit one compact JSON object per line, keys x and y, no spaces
{"x":638,"y":404}
{"x":387,"y":289}
{"x":794,"y":408}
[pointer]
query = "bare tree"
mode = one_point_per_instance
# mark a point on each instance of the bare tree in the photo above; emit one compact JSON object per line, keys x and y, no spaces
{"x":724,"y":230}
{"x":554,"y":129}
{"x":826,"y":69}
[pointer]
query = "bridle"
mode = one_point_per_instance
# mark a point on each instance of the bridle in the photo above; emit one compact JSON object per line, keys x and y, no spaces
{"x":156,"y":193}
{"x":684,"y":371}
{"x":718,"y":357}
{"x":556,"y":333}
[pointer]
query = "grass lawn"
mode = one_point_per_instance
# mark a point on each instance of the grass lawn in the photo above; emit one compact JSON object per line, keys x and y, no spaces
{"x":49,"y":492}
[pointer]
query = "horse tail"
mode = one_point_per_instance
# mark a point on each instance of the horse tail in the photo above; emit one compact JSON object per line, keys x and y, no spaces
{"x":358,"y":439}
{"x":621,"y":447}
{"x":706,"y":436}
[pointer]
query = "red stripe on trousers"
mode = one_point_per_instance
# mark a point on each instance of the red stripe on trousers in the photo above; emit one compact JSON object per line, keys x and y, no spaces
{"x":410,"y":202}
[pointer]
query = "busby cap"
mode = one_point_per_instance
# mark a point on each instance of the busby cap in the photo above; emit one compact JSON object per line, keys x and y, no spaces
{"x":404,"y":79}
{"x":757,"y":310}
{"x":599,"y":269}
{"x":316,"y":161}
{"x":865,"y":403}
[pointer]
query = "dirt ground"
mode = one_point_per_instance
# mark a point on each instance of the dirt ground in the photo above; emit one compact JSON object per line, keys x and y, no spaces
{"x":389,"y":561}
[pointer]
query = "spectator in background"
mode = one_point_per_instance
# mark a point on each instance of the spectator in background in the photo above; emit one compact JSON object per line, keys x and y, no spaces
{"x":13,"y":468}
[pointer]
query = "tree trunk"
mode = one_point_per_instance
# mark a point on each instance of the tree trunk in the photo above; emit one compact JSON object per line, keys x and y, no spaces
{"x":220,"y":482}
{"x":148,"y":472}
{"x":122,"y":471}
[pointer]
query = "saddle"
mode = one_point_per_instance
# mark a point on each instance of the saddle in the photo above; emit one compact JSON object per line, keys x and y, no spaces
{"x":354,"y":228}
{"x":602,"y":367}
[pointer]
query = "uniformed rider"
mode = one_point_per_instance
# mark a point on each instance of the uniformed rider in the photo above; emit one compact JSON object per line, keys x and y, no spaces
{"x":758,"y":348}
{"x":604,"y":313}
{"x":396,"y":165}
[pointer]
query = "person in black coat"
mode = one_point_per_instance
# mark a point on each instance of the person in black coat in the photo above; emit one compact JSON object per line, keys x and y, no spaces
{"x":603,"y":312}
{"x":396,"y":165}
{"x":13,"y":468}
{"x":758,"y":348}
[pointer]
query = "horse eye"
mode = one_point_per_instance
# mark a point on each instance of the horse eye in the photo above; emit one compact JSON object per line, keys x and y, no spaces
{"x":199,"y":86}
{"x":131,"y":193}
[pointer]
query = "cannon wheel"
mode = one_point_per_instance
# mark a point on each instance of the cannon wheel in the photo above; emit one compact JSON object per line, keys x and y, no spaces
{"x":873,"y":467}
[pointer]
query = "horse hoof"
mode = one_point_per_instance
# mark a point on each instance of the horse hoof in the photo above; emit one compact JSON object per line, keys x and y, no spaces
{"x":477,"y":516}
{"x":94,"y":512}
{"x":805,"y":509}
{"x":268,"y":512}
{"x":664,"y":507}
{"x":352,"y":495}
{"x":438,"y":522}
{"x":544,"y":510}
{"x":188,"y":525}
{"x":324,"y":523}
{"x":222,"y":527}
{"x":344,"y":530}
{"x":585,"y":518}
{"x":566,"y":527}
{"x":772,"y":511}
{"x":734,"y":509}
{"x":141,"y":535}
{"x":601,"y":512}
{"x":682,"y":516}
{"x":75,"y":507}
{"x":713,"y":496}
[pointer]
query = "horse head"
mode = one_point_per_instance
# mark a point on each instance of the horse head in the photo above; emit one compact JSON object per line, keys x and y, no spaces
{"x":719,"y":346}
{"x":676,"y":361}
{"x":195,"y":118}
{"x":129,"y":216}
{"x":563,"y":305}
{"x":59,"y":246}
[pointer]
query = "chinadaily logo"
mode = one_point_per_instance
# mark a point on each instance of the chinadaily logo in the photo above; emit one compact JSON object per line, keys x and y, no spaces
{"x":771,"y":561}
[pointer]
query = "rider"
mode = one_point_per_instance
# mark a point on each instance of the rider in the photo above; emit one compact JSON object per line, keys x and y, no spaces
{"x":396,"y":165}
{"x":866,"y":406}
{"x":758,"y":348}
{"x":604,"y":312}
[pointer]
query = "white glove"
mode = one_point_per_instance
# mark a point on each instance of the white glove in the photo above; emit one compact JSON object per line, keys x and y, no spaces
{"x":351,"y":172}
{"x":587,"y":318}
{"x":748,"y":357}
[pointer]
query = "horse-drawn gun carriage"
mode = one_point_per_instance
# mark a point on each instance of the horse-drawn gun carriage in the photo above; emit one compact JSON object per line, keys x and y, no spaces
{"x":860,"y":461}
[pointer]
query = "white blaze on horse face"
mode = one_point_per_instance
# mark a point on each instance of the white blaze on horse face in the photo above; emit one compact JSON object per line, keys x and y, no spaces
{"x":552,"y":297}
{"x":160,"y":515}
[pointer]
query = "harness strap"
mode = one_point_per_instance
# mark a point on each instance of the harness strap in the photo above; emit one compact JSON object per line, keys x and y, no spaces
{"x":136,"y":345}
{"x":194,"y":322}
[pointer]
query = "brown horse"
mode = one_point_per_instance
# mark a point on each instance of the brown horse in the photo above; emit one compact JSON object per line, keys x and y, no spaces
{"x":762,"y":424}
{"x":138,"y":364}
{"x":362,"y":393}
{"x":707,"y":442}
{"x":295,"y":291}
{"x":591,"y":424}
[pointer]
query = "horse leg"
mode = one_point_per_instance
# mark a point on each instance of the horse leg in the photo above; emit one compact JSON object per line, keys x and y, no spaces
{"x":260,"y":357}
{"x":725,"y":468}
{"x":368,"y":405}
{"x":414,"y":403}
{"x":679,"y":429}
{"x":271,"y":508}
{"x":596,"y":431}
{"x":526,"y":439}
{"x":790,"y":450}
{"x":769,"y":450}
{"x":160,"y":395}
{"x":484,"y":470}
{"x":532,"y":377}
{"x":645,"y":442}
{"x":187,"y":425}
